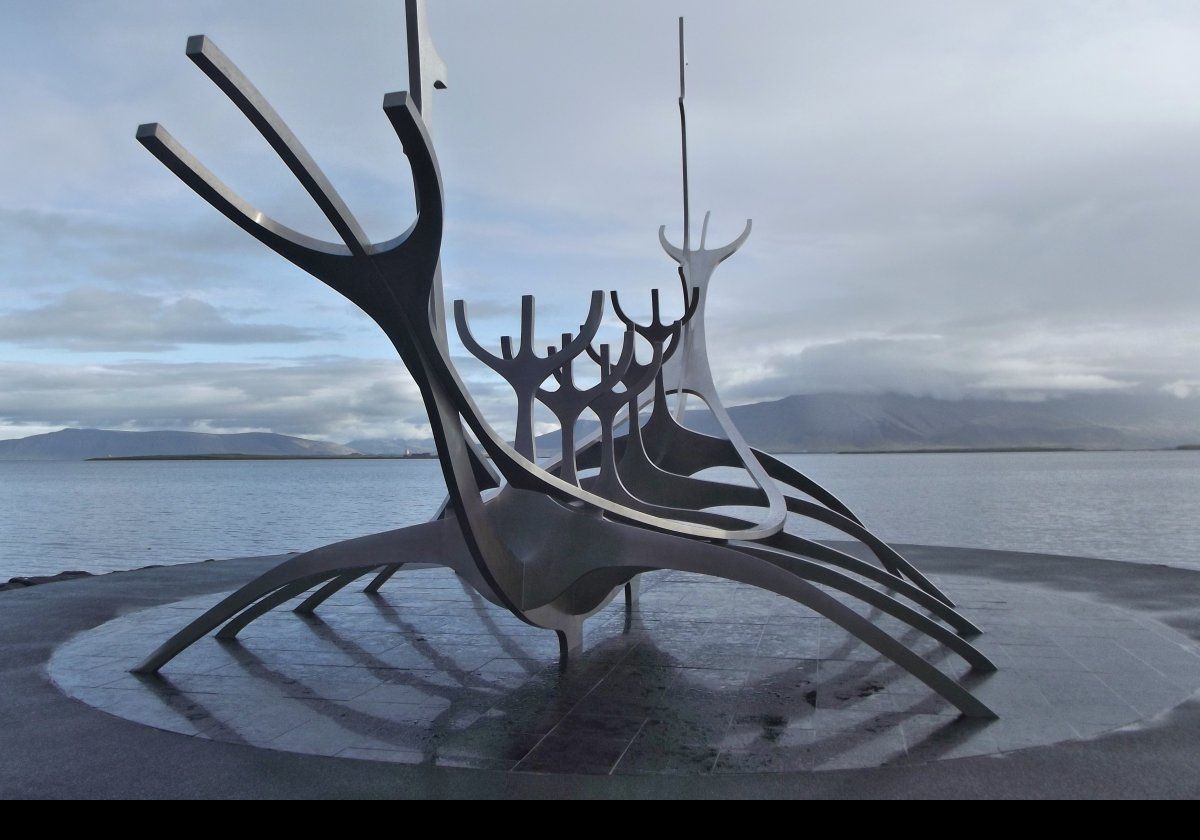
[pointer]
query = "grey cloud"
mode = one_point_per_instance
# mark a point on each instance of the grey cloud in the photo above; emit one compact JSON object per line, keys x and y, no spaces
{"x":948,"y":198}
{"x":335,"y":398}
{"x":331,"y":398}
{"x":1015,"y":365}
{"x":47,"y":250}
{"x":92,"y":319}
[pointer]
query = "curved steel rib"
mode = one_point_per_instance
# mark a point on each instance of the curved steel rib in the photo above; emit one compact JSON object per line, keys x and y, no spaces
{"x":437,"y":537}
{"x":263,"y":606}
{"x":328,"y":590}
{"x":313,"y":255}
{"x":383,"y":577}
{"x":217,"y":66}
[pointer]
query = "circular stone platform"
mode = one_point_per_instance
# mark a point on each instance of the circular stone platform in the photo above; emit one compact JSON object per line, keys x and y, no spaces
{"x":709,"y":677}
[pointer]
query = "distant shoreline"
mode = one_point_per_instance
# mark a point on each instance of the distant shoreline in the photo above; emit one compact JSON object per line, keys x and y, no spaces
{"x":417,"y":456}
{"x":963,"y":450}
{"x":429,"y":456}
{"x":988,"y":450}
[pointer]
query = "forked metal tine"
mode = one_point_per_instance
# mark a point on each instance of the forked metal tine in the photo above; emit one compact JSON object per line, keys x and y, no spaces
{"x":587,"y":331}
{"x":234,"y":84}
{"x":657,"y":331}
{"x":528,"y":316}
{"x":592,"y":354}
{"x":503,"y":364}
{"x":691,"y":299}
{"x":639,"y":377}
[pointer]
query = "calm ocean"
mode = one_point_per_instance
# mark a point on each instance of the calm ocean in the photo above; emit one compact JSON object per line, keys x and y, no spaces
{"x":98,"y":517}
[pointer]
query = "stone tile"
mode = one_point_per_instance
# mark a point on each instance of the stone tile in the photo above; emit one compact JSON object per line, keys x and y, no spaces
{"x":932,"y":738}
{"x":390,"y":756}
{"x":574,"y":754}
{"x":773,"y":760}
{"x":441,"y":718}
{"x":1021,"y":732}
{"x":1146,"y":696}
{"x":843,"y":748}
{"x":405,"y":693}
{"x":530,"y":719}
{"x":583,"y":725}
{"x":922,"y":704}
{"x":473,"y":762}
{"x":832,"y":721}
{"x":324,"y":737}
{"x":717,"y":658}
{"x":764,"y":731}
{"x":690,"y":727}
{"x":650,"y":756}
{"x":716,"y":679}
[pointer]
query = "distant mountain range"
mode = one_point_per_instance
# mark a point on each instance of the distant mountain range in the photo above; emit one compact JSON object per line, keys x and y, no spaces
{"x":894,"y":423}
{"x":81,"y":444}
{"x":891,"y":422}
{"x":808,"y":423}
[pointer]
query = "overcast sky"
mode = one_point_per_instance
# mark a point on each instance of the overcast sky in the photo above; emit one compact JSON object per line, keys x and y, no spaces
{"x":955,"y":199}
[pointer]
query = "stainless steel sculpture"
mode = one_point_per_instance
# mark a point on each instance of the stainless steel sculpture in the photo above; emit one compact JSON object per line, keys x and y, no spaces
{"x":555,"y":543}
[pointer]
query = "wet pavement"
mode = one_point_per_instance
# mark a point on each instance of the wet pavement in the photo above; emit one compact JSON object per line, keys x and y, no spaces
{"x":705,"y":677}
{"x":55,"y":746}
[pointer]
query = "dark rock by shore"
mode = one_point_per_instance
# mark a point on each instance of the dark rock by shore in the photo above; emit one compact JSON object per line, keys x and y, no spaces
{"x":25,"y":582}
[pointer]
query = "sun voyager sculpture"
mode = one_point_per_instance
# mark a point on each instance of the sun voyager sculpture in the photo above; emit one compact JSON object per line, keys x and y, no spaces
{"x":545,"y":541}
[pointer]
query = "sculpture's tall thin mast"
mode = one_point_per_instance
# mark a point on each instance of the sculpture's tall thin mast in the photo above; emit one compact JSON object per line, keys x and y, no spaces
{"x":426,"y":70}
{"x":687,"y":225}
{"x":681,"y":399}
{"x":426,"y":73}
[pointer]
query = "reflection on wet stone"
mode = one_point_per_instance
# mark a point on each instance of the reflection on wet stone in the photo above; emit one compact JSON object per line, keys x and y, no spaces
{"x":425,"y":672}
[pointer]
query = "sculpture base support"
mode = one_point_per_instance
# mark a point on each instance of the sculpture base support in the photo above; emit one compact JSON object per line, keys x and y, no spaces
{"x":570,"y":642}
{"x":383,"y":577}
